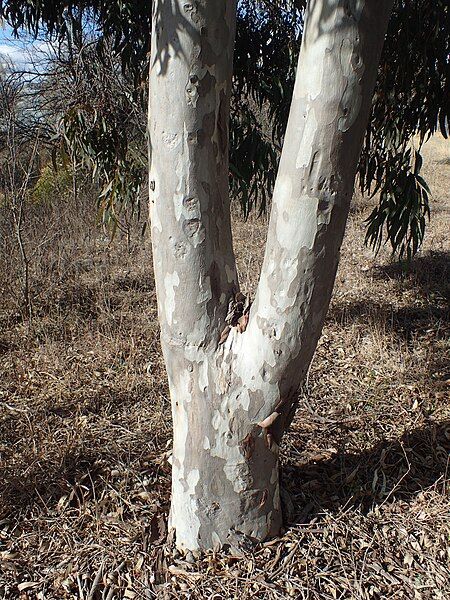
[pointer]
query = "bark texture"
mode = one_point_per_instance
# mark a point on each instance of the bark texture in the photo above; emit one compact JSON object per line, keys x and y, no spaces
{"x":234,"y":370}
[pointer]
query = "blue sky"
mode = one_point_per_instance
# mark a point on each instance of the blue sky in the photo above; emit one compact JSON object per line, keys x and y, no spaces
{"x":6,"y":35}
{"x":5,"y":32}
{"x":17,"y":50}
{"x":9,"y":47}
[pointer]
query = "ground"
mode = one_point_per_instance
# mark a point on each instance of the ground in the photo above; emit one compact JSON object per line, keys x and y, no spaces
{"x":85,"y":433}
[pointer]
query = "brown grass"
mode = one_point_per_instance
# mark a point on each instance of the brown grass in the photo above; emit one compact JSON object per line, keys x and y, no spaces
{"x":85,"y":431}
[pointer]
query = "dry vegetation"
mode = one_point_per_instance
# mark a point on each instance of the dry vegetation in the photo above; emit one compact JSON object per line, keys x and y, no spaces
{"x":85,"y":428}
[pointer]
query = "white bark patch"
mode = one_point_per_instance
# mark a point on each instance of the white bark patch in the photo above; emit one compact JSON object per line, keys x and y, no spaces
{"x":237,"y":473}
{"x":309,"y":85}
{"x":179,"y":442}
{"x":192,"y":480}
{"x":244,"y":399}
{"x":229,"y":345}
{"x":171,"y":140}
{"x":290,"y":270}
{"x":203,"y":376}
{"x":257,"y":352}
{"x":153,"y":200}
{"x":265,"y":309}
{"x":206,"y":443}
{"x":283,"y":190}
{"x":184,"y":504}
{"x":171,"y":281}
{"x":154,"y":216}
{"x":188,"y":522}
{"x":301,"y":225}
{"x":216,"y":419}
{"x":185,"y":385}
{"x":197,"y":332}
{"x":178,"y":205}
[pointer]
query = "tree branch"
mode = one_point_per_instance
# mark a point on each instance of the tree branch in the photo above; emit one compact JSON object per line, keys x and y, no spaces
{"x":334,"y":85}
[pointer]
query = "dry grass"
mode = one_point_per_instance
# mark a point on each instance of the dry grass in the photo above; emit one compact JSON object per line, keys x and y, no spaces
{"x":85,"y":429}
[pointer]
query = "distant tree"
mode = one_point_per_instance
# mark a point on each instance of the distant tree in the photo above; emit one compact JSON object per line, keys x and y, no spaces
{"x":97,"y":124}
{"x":18,"y":162}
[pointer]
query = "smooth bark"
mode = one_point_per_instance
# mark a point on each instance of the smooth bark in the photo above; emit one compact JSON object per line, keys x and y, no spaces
{"x":233,"y":373}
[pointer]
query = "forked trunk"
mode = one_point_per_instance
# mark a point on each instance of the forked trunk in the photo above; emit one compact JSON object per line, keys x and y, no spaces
{"x":234,"y":371}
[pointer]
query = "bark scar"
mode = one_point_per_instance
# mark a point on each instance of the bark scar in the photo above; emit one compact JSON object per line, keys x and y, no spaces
{"x":264,"y":498}
{"x":247,"y":446}
{"x":268,"y":439}
{"x":238,"y":307}
{"x":224,"y":334}
{"x":237,"y":316}
{"x":242,"y":323}
{"x":268,"y":421}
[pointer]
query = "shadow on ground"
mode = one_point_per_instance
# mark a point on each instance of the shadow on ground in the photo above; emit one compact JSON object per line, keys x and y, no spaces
{"x":404,"y":322}
{"x":83,"y":473}
{"x":394,"y":469}
{"x":427,"y":278}
{"x":425,"y":274}
{"x":72,"y":450}
{"x":398,"y":469}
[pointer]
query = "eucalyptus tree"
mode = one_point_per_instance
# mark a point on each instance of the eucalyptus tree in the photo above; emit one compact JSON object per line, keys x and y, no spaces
{"x":235,"y":367}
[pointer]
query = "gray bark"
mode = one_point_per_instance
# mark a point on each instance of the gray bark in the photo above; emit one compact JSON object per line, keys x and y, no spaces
{"x":233,"y":373}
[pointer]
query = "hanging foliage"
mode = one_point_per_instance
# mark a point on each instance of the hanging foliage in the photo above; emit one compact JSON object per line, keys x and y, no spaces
{"x":411,"y":101}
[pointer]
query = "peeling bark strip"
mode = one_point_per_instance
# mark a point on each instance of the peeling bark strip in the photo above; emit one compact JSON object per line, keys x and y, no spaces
{"x":234,"y":370}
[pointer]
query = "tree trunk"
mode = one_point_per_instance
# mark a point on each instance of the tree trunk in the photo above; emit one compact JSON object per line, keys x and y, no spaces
{"x":234,"y":373}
